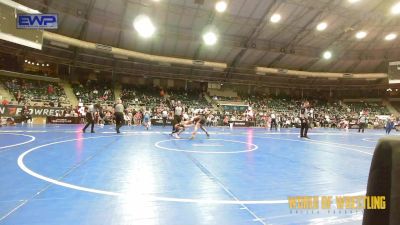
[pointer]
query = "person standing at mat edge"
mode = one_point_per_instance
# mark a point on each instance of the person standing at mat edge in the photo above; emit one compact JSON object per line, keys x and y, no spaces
{"x":273,"y":121}
{"x":119,"y":115}
{"x":164,"y":116}
{"x":389,"y":125}
{"x":90,"y":116}
{"x":178,"y":111}
{"x":304,"y":119}
{"x":363,"y":121}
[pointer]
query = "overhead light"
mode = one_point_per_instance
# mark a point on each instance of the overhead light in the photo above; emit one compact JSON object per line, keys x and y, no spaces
{"x":43,"y":65}
{"x":210,"y":38}
{"x":327,"y":55}
{"x":221,"y":6}
{"x":353,"y":1}
{"x":322,"y":26}
{"x":395,"y":8}
{"x":47,"y":65}
{"x":37,"y":64}
{"x":391,"y":36}
{"x":144,"y":26}
{"x":275,"y":18}
{"x":26,"y":60}
{"x":361,"y":34}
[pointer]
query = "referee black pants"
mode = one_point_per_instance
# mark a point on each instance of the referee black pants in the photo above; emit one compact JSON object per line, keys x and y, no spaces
{"x":164,"y":121}
{"x":361,"y":127}
{"x":304,"y":128}
{"x":119,"y":119}
{"x":89,"y":121}
{"x":273,"y":123}
{"x":177,"y":119}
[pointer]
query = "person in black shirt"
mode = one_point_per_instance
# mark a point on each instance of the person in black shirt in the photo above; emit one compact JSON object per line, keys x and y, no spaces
{"x":26,"y":114}
{"x":199,"y":122}
{"x":304,"y":118}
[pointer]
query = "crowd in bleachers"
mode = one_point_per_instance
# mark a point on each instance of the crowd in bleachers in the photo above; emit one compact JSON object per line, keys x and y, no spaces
{"x":142,"y":96}
{"x":139,"y":99}
{"x":34,"y":92}
{"x":374,"y":108}
{"x":157,"y":101}
{"x":323,"y":113}
{"x":94,"y":91}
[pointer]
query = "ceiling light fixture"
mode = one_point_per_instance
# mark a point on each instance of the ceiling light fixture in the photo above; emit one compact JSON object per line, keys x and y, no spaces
{"x":144,"y":26}
{"x":391,"y":36}
{"x":322,"y":26}
{"x":395,"y":8}
{"x":210,"y":38}
{"x":221,"y":6}
{"x":276,"y":18}
{"x":327,"y":55}
{"x":361,"y":34}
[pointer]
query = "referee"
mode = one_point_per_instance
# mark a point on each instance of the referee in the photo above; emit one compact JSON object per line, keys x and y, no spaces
{"x":178,"y":111}
{"x":119,"y":115}
{"x":90,"y":116}
{"x":273,"y":121}
{"x":304,"y":118}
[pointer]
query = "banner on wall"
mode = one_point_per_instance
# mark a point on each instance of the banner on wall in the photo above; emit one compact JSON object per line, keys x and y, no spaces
{"x":63,"y":120}
{"x":243,"y":123}
{"x":35,"y":111}
{"x":159,"y":122}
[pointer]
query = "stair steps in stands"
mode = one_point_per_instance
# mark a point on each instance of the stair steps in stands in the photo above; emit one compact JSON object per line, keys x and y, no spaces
{"x":5,"y":93}
{"x":70,"y":93}
{"x":117,"y":91}
{"x":210,"y":101}
{"x":390,"y":107}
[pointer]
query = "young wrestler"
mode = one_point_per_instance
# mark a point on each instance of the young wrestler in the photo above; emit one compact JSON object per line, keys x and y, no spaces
{"x":199,"y":122}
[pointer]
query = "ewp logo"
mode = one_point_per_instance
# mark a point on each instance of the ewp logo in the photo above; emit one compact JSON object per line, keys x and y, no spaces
{"x":37,"y":21}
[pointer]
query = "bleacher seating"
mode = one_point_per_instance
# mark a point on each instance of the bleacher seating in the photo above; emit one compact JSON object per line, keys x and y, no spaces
{"x":373,"y":108}
{"x":154,"y":96}
{"x":324,"y":113}
{"x":93,"y":92}
{"x":35,"y":91}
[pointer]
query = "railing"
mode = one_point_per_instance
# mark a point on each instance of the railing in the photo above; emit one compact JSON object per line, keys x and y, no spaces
{"x":28,"y":76}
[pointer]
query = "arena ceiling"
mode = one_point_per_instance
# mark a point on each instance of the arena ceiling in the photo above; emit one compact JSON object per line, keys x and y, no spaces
{"x":247,"y":38}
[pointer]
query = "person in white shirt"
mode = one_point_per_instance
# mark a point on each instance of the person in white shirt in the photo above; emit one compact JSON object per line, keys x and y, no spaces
{"x":164,"y":115}
{"x":90,"y":117}
{"x":362,"y":122}
{"x":178,"y":112}
{"x":273,"y":121}
{"x":185,"y":116}
{"x":130,"y":117}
